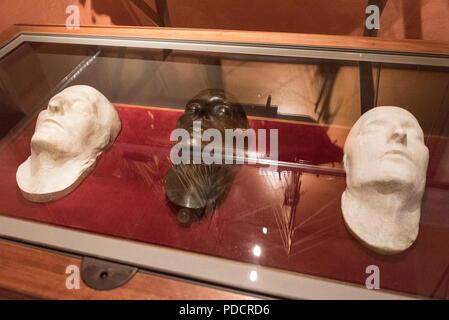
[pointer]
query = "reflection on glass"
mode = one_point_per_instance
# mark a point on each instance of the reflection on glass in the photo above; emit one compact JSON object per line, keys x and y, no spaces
{"x":257,"y":251}
{"x":253,"y":276}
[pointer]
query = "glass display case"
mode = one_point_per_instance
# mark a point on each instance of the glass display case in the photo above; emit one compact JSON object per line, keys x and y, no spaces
{"x":279,"y":230}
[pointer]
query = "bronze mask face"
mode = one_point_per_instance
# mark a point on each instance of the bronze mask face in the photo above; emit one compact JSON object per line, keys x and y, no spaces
{"x":213,"y":108}
{"x":195,"y":190}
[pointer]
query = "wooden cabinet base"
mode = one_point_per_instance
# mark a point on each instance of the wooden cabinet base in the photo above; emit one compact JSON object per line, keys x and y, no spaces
{"x":30,"y":273}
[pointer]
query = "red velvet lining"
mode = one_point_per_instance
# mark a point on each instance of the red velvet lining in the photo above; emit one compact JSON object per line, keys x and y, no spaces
{"x":124,"y":197}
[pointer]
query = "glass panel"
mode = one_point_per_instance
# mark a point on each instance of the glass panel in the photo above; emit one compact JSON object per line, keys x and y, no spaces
{"x":288,"y":217}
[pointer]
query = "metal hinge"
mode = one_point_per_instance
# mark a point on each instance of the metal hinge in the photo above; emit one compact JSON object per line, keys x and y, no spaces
{"x":105,"y":275}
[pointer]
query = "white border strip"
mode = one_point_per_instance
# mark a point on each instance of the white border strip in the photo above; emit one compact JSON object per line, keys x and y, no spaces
{"x":228,"y":47}
{"x":10,"y":46}
{"x":201,"y":267}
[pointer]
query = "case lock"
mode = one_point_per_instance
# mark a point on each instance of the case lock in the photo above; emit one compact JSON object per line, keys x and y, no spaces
{"x":104,"y":275}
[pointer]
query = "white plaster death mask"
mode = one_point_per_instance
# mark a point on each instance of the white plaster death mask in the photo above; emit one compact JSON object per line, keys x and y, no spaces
{"x":385,"y":162}
{"x":78,"y":125}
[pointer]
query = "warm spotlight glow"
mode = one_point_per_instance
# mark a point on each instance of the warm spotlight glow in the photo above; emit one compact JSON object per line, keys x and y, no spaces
{"x":253,"y":276}
{"x":257,"y":250}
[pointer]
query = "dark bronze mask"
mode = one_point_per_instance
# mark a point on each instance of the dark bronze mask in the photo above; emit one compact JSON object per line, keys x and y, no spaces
{"x":195,"y":190}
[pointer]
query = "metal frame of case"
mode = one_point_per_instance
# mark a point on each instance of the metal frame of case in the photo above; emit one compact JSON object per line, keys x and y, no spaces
{"x":270,"y":282}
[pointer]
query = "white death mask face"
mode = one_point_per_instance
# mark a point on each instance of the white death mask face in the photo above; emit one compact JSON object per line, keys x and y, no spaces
{"x":385,"y":162}
{"x":78,"y":125}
